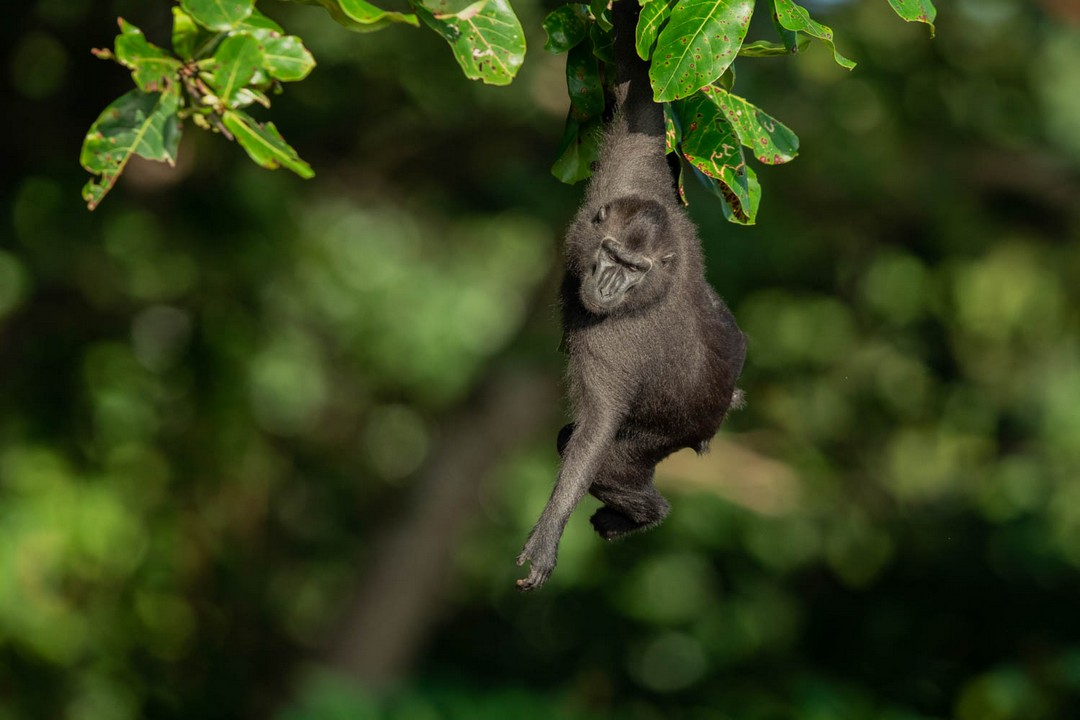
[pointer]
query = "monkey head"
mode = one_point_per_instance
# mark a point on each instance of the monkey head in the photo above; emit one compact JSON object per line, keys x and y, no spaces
{"x":623,"y":255}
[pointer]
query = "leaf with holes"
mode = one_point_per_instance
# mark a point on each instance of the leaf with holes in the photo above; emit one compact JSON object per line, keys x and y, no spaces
{"x":218,"y":15}
{"x":237,"y":59}
{"x":916,"y":11}
{"x":361,"y":16}
{"x":264,"y":143}
{"x":771,"y":141}
{"x":579,"y":149}
{"x":710,"y":144}
{"x":753,"y":193}
{"x":697,"y":45}
{"x":136,"y":123}
{"x":794,"y":17}
{"x":485,"y":37}
{"x":652,"y":18}
{"x":565,"y":26}
{"x":583,"y":84}
{"x":152,"y":68}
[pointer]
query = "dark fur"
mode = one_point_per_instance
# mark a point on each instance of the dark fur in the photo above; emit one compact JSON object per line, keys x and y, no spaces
{"x":653,"y":352}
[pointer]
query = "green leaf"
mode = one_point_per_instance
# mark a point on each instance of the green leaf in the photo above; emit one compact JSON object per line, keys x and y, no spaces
{"x":579,"y":149}
{"x":673,"y":138}
{"x":772,"y":142}
{"x":601,"y":14}
{"x":672,"y":134}
{"x":286,"y":58}
{"x":697,"y":45}
{"x":187,"y":35}
{"x":603,"y":43}
{"x":764,"y":48}
{"x":792,"y":16}
{"x":218,"y":15}
{"x":916,"y":11}
{"x":791,"y":39}
{"x":485,"y":37}
{"x":236,"y":61}
{"x":710,"y":144}
{"x":584,"y":85}
{"x":259,"y":25}
{"x":361,"y":16}
{"x":753,"y":195}
{"x":652,"y":18}
{"x":264,"y":143}
{"x":136,"y":123}
{"x":152,"y":68}
{"x":565,"y":26}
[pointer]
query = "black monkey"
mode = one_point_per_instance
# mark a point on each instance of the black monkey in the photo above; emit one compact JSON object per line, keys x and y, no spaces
{"x":654,"y":353}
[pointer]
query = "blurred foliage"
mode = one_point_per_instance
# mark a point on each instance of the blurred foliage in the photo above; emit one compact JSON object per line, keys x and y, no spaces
{"x":217,"y":391}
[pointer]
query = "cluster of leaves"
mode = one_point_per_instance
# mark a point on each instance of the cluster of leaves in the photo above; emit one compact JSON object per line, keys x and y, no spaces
{"x":227,"y":56}
{"x":692,"y":45}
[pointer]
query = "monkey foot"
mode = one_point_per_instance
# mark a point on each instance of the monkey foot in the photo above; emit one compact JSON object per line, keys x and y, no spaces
{"x":611,"y":524}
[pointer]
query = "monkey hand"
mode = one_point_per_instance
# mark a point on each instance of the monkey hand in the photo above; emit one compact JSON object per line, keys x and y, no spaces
{"x":541,"y":559}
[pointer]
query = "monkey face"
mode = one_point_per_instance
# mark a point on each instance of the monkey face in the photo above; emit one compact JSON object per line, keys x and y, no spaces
{"x":624,"y":258}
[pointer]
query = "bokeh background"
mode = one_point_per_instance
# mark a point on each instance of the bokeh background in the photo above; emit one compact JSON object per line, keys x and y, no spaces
{"x":268,"y":448}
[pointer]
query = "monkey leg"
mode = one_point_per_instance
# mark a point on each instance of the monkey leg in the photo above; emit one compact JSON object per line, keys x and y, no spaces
{"x":628,"y":507}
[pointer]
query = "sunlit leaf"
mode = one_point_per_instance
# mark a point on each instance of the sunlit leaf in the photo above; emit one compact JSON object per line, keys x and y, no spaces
{"x":218,"y":14}
{"x":916,"y":11}
{"x":286,"y":58}
{"x":579,"y":149}
{"x":765,"y":48}
{"x":710,"y":144}
{"x":565,"y":27}
{"x":672,"y":139}
{"x":790,"y":38}
{"x":794,"y":17}
{"x":136,"y":123}
{"x":237,"y":60}
{"x":360,"y":15}
{"x":697,"y":45}
{"x":771,"y":142}
{"x":264,"y":143}
{"x":152,"y":68}
{"x":259,"y":25}
{"x":187,"y":35}
{"x":652,"y":18}
{"x":485,"y":37}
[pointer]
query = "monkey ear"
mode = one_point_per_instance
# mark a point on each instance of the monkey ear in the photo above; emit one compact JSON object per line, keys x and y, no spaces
{"x":601,"y":216}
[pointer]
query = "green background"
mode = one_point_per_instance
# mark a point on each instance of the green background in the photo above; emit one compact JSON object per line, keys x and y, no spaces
{"x":269,"y":447}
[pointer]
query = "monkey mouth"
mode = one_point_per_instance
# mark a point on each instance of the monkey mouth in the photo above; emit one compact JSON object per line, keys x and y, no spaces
{"x":617,"y":270}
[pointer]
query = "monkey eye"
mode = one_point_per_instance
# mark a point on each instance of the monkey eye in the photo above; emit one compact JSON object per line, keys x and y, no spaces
{"x":601,"y":215}
{"x":667,"y":258}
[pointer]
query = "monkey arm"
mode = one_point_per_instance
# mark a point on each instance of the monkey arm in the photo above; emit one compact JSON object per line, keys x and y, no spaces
{"x":584,"y":452}
{"x":632,"y":158}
